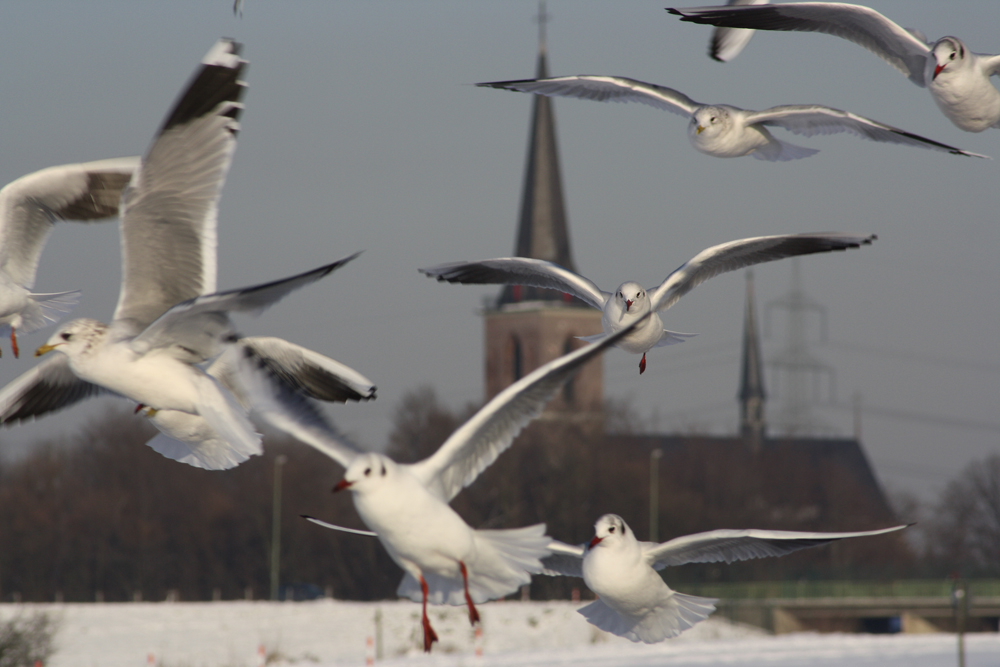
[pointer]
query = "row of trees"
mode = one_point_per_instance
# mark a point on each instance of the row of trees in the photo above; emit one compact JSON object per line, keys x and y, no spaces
{"x":104,"y":515}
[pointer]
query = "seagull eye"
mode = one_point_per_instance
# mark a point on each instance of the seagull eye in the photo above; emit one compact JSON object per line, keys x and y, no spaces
{"x":66,"y":336}
{"x":368,"y":471}
{"x":383,"y":471}
{"x":952,"y":56}
{"x":611,"y":529}
{"x":713,"y":119}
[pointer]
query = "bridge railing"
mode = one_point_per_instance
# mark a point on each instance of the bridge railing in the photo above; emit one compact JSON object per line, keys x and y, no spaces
{"x":902,"y":588}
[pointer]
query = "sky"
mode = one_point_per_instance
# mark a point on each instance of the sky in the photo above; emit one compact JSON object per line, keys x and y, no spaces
{"x":362,"y":132}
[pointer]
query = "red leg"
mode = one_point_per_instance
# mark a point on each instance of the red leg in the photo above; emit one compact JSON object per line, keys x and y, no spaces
{"x":642,"y":365}
{"x":473,"y":614}
{"x":13,"y":343}
{"x":429,"y":635}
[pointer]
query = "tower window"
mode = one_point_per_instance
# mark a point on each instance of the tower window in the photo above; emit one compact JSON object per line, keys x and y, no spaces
{"x":516,"y":358}
{"x":569,"y":389}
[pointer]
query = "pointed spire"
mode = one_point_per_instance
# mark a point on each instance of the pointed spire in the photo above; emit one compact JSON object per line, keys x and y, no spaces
{"x":752,"y":395}
{"x":542,"y":232}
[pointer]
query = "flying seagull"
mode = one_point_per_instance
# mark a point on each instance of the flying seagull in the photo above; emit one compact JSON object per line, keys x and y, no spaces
{"x":957,"y":78}
{"x":722,"y":130}
{"x":631,"y":301}
{"x":29,"y":207}
{"x":632,"y":599}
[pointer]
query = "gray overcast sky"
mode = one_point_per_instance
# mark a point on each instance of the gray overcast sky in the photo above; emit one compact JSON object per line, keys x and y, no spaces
{"x":361,"y":132}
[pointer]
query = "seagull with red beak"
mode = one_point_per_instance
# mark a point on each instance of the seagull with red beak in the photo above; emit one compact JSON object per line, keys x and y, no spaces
{"x":957,"y":78}
{"x":633,"y":600}
{"x":631,"y":302}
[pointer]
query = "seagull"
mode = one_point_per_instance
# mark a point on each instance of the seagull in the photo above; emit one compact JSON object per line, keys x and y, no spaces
{"x":721,"y":130}
{"x":169,"y":317}
{"x":188,"y":437}
{"x":406,"y":505}
{"x":631,"y":301}
{"x":29,"y":207}
{"x":957,"y":78}
{"x":632,"y":599}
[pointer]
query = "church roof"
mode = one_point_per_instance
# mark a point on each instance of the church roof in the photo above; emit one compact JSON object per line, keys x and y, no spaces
{"x":542,"y":231}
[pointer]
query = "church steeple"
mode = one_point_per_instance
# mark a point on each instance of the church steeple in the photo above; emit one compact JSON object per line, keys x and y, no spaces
{"x":542,"y":231}
{"x":751,"y":395}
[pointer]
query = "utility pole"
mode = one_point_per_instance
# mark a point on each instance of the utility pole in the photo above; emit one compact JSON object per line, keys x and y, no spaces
{"x":279,"y":462}
{"x":654,"y":494}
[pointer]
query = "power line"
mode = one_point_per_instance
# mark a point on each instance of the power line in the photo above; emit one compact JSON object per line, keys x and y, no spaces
{"x":922,"y":417}
{"x":906,"y":355}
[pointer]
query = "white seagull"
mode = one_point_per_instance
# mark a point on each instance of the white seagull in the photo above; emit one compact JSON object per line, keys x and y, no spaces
{"x":631,"y":301}
{"x":632,"y":599}
{"x":189,"y":438}
{"x":168,"y":317}
{"x":957,"y":78}
{"x":406,"y":505}
{"x":28,"y":208}
{"x":721,"y":130}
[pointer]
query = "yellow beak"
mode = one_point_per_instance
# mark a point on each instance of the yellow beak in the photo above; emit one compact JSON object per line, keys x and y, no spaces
{"x":43,"y":349}
{"x":699,"y":130}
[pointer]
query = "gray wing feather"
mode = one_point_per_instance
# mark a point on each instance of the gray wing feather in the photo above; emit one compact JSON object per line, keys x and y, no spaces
{"x":727,"y":43}
{"x":861,"y":25}
{"x":604,"y":89}
{"x":810,"y":120}
{"x":31,"y":204}
{"x":169,"y":211}
{"x":315,"y":375}
{"x":280,"y":402}
{"x":519,"y":271}
{"x":747,"y":252}
{"x":195,"y":326}
{"x":48,"y":387}
{"x":566,"y":560}
{"x":733,"y":545}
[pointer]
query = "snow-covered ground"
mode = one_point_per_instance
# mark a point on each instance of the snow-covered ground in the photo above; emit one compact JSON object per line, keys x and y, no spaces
{"x":327,"y":633}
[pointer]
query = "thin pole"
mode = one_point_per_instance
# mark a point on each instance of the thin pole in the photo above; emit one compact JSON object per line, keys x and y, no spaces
{"x":279,"y":461}
{"x":654,"y":494}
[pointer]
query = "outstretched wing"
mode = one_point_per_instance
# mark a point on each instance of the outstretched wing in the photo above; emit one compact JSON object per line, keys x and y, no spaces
{"x":604,"y":89}
{"x":479,"y":441}
{"x":747,"y":252}
{"x":169,"y":211}
{"x":733,"y":545}
{"x":194,"y":326}
{"x":29,"y":205}
{"x":48,"y":387}
{"x":315,"y":375}
{"x":566,"y":560}
{"x":863,"y":26}
{"x":815,"y":119}
{"x":520,"y":271}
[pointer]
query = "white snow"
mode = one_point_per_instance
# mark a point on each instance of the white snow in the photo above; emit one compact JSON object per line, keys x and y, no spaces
{"x":327,"y":633}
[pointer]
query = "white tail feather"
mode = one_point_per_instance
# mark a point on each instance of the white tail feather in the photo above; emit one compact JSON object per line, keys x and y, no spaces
{"x":675,"y":614}
{"x":49,"y":308}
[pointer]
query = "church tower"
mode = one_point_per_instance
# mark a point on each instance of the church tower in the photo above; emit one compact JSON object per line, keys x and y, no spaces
{"x":752,"y":396}
{"x":529,"y":326}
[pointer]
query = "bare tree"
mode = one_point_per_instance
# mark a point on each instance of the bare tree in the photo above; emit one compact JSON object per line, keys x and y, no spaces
{"x":965,"y":530}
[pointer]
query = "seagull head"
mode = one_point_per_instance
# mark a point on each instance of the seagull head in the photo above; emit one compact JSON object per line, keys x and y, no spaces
{"x":74,"y":337}
{"x":610,"y":531}
{"x":949,"y":53}
{"x":365,"y":473}
{"x":708,"y":120}
{"x":632,"y":300}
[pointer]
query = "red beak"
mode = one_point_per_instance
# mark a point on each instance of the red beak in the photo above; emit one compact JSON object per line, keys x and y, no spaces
{"x":594,"y":542}
{"x":937,"y":70}
{"x":628,"y":304}
{"x":341,"y":485}
{"x":137,"y":408}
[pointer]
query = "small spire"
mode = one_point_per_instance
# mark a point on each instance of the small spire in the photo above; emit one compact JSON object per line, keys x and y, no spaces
{"x":542,"y":18}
